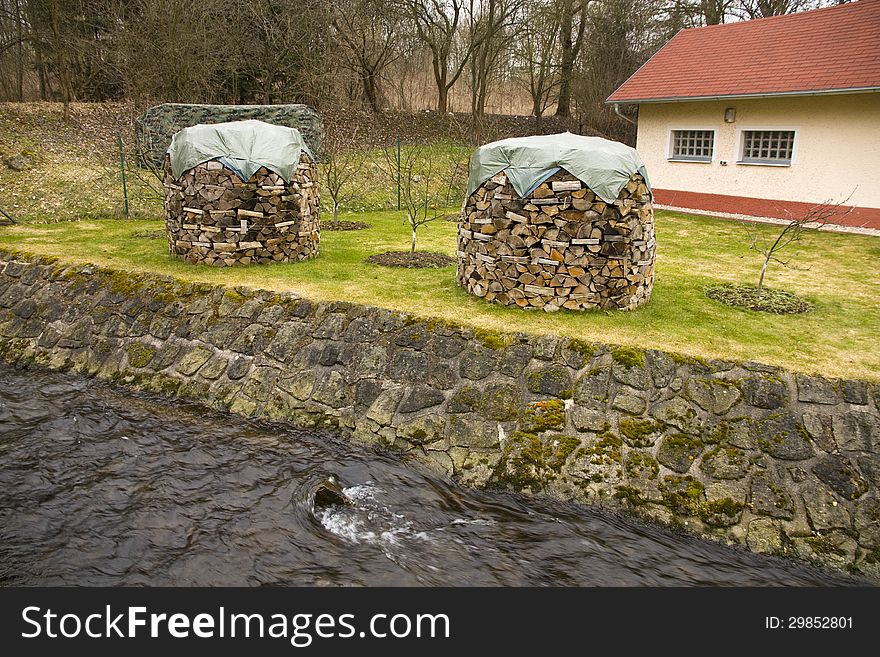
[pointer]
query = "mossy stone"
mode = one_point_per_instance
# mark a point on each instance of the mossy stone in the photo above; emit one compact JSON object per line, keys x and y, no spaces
{"x":591,"y":390}
{"x":640,"y":432}
{"x":515,"y":359}
{"x":529,"y":463}
{"x":192,"y":360}
{"x":678,"y":451}
{"x":604,"y":451}
{"x":140,"y":354}
{"x":683,"y":494}
{"x":419,"y":397}
{"x":764,"y":391}
{"x":553,"y":380}
{"x":502,"y":402}
{"x":588,"y":419}
{"x":866,"y":522}
{"x":492,"y":339}
{"x":243,"y":406}
{"x":382,"y":409}
{"x":726,"y":463}
{"x":631,"y":404}
{"x":415,"y":336}
{"x":238,"y":367}
{"x":423,"y":430}
{"x":714,"y":395}
{"x":477,"y":364}
{"x":472,"y":432}
{"x":841,"y":476}
{"x":576,"y":353}
{"x":641,"y":466}
{"x":628,"y":357}
{"x":468,"y":399}
{"x":825,"y":510}
{"x":769,"y":498}
{"x":548,"y":415}
{"x":781,"y":435}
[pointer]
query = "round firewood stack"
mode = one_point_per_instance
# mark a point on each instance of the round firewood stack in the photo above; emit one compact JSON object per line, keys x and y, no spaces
{"x":215,"y":218}
{"x":560,"y":247}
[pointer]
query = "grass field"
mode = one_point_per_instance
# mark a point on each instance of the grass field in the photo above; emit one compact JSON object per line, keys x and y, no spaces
{"x":839,"y":337}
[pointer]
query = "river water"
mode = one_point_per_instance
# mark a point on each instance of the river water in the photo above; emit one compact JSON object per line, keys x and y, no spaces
{"x":102,"y":486}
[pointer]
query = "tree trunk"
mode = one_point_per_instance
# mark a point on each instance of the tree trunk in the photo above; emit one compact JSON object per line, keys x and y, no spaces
{"x":440,"y":79}
{"x":442,"y":97}
{"x":61,"y":60}
{"x":371,"y":92}
{"x":566,"y":60}
{"x":335,"y":212}
{"x":537,"y":107}
{"x":763,"y":271}
{"x":713,"y":11}
{"x":19,"y":73}
{"x":413,"y":245}
{"x":41,"y":73}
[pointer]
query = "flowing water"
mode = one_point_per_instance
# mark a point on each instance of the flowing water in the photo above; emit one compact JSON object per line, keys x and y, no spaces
{"x":101,"y":486}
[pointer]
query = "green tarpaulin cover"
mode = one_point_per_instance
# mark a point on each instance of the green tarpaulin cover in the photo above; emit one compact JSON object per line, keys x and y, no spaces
{"x":243,"y":146}
{"x":602,"y":165}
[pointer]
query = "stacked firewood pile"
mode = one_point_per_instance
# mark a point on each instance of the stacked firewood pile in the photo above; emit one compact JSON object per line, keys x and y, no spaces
{"x":561,"y":247}
{"x":213,"y":217}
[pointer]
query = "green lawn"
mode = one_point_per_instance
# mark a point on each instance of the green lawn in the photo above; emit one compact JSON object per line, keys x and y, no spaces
{"x":837,"y":338}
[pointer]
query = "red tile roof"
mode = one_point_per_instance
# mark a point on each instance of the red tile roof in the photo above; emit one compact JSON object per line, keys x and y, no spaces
{"x":812,"y":51}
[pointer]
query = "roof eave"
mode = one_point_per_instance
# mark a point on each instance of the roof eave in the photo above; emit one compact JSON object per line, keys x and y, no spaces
{"x":682,"y":99}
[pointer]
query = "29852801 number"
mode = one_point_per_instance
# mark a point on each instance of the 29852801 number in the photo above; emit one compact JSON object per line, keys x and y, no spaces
{"x":820,"y":622}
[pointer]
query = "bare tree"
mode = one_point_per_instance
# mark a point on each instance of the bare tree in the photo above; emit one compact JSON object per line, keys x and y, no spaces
{"x":276,"y":53}
{"x":438,"y":25}
{"x":341,"y":167}
{"x":766,"y":8}
{"x":370,"y":36}
{"x":621,"y":35}
{"x":172,"y":53}
{"x":572,"y":27}
{"x":715,"y":11}
{"x":430,"y":180}
{"x":492,"y":29}
{"x":813,"y":219}
{"x":540,"y":53}
{"x":19,"y":47}
{"x":13,"y":38}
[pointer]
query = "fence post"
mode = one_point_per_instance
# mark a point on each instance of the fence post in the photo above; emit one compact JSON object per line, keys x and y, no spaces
{"x":122,"y":168}
{"x":398,"y":172}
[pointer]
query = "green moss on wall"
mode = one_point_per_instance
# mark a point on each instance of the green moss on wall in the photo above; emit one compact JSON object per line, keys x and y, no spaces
{"x":641,"y":465}
{"x":605,"y":451}
{"x":492,"y":339}
{"x":543,"y":416}
{"x":140,"y":354}
{"x":584,"y":348}
{"x":628,"y":356}
{"x":640,"y":432}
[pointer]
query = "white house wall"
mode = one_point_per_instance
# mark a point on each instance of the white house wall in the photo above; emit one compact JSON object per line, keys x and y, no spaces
{"x":836,"y":150}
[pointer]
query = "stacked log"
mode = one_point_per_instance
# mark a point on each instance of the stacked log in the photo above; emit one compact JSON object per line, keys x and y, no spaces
{"x":560,"y":247}
{"x":214,"y":217}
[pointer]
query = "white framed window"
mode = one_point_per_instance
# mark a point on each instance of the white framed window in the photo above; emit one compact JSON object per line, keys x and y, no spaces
{"x":692,"y":145}
{"x":773,"y":147}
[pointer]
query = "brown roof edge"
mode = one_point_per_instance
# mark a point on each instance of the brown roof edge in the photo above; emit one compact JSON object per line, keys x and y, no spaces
{"x":769,"y":94}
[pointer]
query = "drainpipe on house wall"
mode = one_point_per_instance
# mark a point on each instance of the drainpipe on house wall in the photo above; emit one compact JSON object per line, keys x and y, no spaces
{"x":621,"y":115}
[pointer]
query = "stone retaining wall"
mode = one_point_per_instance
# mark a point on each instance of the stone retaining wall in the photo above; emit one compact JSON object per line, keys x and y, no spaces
{"x":742,"y":453}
